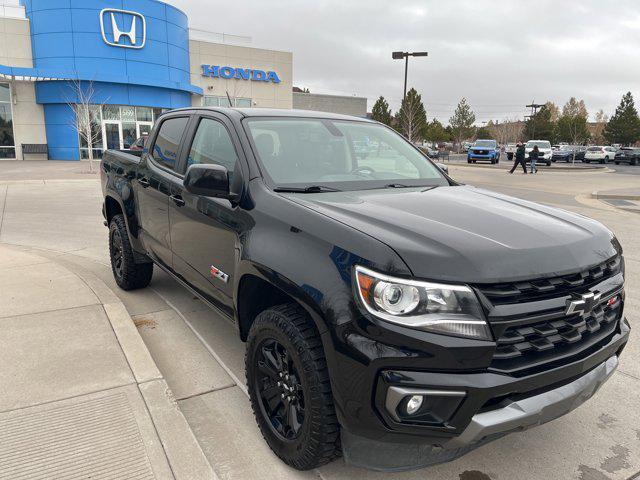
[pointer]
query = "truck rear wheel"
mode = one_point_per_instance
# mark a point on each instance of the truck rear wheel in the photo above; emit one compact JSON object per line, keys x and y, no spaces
{"x":289,"y":388}
{"x":128,"y":274}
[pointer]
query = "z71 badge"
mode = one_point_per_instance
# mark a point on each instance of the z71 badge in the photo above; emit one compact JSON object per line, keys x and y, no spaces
{"x":219,"y":274}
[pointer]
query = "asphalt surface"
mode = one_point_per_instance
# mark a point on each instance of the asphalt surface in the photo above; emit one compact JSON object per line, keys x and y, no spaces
{"x":624,"y":169}
{"x":56,"y":206}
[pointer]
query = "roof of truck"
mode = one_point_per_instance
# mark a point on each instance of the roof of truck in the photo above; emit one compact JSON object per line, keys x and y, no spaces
{"x":278,"y":112}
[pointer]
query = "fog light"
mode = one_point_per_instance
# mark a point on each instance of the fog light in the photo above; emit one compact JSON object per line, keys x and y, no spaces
{"x":414,"y":404}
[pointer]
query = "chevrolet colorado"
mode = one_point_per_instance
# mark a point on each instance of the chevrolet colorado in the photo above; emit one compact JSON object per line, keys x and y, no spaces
{"x":390,"y":313}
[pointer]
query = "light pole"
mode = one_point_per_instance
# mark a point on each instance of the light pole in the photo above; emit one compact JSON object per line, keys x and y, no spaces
{"x":406,"y":55}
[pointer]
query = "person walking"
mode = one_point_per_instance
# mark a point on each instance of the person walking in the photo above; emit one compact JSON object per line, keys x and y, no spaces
{"x":533,"y":156}
{"x":519,"y":158}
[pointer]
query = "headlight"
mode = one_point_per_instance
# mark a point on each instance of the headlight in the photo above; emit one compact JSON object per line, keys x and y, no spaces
{"x":433,"y":307}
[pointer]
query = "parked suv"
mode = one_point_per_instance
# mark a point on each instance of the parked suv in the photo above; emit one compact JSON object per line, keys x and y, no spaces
{"x":390,"y":314}
{"x":484,"y":150}
{"x":600,"y":154}
{"x":544,"y":147}
{"x":630,"y":155}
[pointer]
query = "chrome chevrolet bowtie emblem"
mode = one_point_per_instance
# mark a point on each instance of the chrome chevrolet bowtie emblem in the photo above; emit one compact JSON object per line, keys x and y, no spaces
{"x":583,"y":305}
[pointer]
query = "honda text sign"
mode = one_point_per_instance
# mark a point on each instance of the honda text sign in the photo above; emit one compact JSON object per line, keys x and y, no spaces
{"x":123,"y":28}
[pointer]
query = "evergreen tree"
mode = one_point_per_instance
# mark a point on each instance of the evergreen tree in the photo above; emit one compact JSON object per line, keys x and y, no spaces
{"x":462,"y":122}
{"x":624,"y":126}
{"x":435,"y":132}
{"x":540,"y":126}
{"x":484,"y":133}
{"x":381,"y":111}
{"x":412,"y":117}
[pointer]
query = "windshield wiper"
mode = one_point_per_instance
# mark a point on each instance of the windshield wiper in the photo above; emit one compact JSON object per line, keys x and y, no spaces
{"x":402,"y":185}
{"x":309,"y":189}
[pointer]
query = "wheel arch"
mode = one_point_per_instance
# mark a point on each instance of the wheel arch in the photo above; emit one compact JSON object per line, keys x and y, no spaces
{"x":259,"y":288}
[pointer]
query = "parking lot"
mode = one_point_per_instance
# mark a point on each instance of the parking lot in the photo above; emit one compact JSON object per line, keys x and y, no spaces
{"x":54,"y":208}
{"x":625,"y":169}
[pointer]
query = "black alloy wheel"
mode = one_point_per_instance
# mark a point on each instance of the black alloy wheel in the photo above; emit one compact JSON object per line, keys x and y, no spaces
{"x":128,"y":274}
{"x":280,"y":390}
{"x":289,"y":387}
{"x":116,"y":253}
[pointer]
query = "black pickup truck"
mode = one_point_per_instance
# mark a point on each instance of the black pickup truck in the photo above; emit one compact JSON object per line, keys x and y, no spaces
{"x":391,"y":314}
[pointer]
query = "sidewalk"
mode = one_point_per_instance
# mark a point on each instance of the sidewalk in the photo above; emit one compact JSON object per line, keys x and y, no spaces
{"x":80,"y":395}
{"x":623,"y":198}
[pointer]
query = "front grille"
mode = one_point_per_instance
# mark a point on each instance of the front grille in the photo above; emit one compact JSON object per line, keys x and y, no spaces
{"x":532,"y":328}
{"x":480,"y":152}
{"x":540,"y":289}
{"x":531,"y":345}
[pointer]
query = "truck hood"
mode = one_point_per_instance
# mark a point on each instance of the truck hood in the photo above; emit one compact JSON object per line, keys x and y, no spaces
{"x":467,"y":234}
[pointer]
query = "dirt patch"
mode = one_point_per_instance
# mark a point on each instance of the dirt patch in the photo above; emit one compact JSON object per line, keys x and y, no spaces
{"x":588,"y":473}
{"x":474,"y":475}
{"x":618,"y":461}
{"x":606,"y":421}
{"x":144,"y":322}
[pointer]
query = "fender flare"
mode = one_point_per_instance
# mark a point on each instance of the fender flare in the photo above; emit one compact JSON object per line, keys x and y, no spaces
{"x":282,"y":283}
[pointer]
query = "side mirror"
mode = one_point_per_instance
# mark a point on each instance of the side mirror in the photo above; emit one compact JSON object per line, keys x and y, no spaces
{"x":443,"y":167}
{"x":207,"y":180}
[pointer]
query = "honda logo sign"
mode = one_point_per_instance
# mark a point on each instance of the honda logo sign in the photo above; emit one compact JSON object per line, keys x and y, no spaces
{"x":125,"y":26}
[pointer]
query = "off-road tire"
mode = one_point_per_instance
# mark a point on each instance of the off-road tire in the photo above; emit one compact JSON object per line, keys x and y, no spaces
{"x":318,"y":442}
{"x":128,"y":274}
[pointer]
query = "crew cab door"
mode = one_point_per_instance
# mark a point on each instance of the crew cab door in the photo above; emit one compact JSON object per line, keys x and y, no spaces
{"x":205,"y":230}
{"x":152,"y":186}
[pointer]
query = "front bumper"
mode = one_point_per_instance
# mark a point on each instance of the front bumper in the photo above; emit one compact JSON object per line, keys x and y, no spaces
{"x":492,"y":406}
{"x":478,"y":156}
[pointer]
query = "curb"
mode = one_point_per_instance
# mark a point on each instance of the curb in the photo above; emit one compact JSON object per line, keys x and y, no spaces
{"x":614,"y":196}
{"x":184,"y":454}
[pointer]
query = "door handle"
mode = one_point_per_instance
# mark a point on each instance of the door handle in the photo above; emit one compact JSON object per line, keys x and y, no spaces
{"x":177,"y":199}
{"x":144,"y":182}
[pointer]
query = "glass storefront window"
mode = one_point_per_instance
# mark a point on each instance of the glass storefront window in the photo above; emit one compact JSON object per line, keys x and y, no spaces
{"x":117,"y":127}
{"x":110,"y":112}
{"x":7,"y":142}
{"x":128,"y":114}
{"x":144,"y":114}
{"x":223,"y":101}
{"x":128,"y":134}
{"x":5,"y":93}
{"x":210,"y":102}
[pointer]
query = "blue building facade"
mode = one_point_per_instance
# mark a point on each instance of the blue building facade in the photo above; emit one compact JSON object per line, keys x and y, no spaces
{"x":128,"y":57}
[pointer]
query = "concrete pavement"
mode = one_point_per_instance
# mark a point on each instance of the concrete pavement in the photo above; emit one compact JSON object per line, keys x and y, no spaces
{"x":201,"y":357}
{"x":80,"y":395}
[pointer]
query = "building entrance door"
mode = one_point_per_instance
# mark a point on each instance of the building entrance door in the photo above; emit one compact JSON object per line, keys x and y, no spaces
{"x":144,"y":128}
{"x":112,"y":134}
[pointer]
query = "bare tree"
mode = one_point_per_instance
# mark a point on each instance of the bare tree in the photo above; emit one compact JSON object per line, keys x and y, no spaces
{"x":87,"y":114}
{"x":597,"y":134}
{"x":507,"y":131}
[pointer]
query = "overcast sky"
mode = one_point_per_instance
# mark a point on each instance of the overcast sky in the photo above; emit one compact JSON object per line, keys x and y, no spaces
{"x":500,"y":55}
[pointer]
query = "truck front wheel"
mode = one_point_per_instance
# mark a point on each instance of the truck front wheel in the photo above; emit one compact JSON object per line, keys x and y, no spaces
{"x":289,"y":388}
{"x":128,"y":274}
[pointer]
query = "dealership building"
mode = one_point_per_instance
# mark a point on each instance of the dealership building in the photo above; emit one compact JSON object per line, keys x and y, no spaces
{"x":123,"y":62}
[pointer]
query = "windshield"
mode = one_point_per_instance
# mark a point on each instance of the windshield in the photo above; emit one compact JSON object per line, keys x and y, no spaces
{"x":485,"y":143}
{"x":540,"y":144}
{"x":343,"y":155}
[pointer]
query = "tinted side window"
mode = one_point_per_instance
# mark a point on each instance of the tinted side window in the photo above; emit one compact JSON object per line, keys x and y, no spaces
{"x":165,"y":150}
{"x":212,"y":144}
